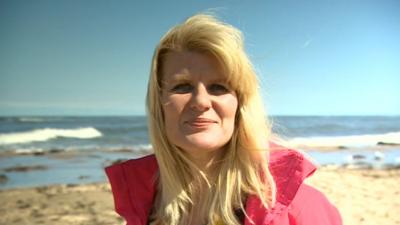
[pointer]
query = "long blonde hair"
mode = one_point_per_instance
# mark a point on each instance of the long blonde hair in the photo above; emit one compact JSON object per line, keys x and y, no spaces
{"x":243,"y":170}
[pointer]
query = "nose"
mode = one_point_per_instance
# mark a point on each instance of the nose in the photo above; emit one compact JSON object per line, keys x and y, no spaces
{"x":200,"y":99}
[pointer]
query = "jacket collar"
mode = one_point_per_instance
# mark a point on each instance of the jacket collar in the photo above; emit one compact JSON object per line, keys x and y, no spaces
{"x":288,"y":167}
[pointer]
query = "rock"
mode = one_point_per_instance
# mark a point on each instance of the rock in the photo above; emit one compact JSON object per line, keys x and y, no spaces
{"x":82,"y":177}
{"x":38,"y":153}
{"x":3,"y":178}
{"x":358,"y":156}
{"x":25,"y":168}
{"x":387,"y":143}
{"x":109,"y":163}
{"x":55,"y":150}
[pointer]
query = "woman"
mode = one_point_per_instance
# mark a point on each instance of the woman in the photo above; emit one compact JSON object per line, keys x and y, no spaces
{"x":213,"y":163}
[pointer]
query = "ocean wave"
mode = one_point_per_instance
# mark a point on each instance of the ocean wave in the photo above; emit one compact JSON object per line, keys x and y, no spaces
{"x":48,"y":133}
{"x":392,"y":138}
{"x":31,"y":119}
{"x":136,"y":147}
{"x":26,"y":151}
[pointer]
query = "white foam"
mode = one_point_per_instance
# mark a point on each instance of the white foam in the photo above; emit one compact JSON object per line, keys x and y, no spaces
{"x":347,"y":141}
{"x":28,"y":151}
{"x":48,"y":133}
{"x":31,"y":119}
{"x":146,"y":147}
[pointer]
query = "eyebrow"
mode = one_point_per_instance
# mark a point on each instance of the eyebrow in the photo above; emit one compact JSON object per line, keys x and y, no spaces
{"x":186,"y":78}
{"x":181,"y":77}
{"x":176,"y":78}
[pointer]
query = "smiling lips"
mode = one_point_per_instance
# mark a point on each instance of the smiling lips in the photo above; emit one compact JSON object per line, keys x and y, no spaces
{"x":200,"y":123}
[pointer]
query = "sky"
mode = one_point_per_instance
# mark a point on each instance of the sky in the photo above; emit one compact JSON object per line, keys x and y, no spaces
{"x":314,"y":57}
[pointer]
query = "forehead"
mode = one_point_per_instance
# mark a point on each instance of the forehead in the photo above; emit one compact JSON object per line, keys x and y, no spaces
{"x":187,"y":65}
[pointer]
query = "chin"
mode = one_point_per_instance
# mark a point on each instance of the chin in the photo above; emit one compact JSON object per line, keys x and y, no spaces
{"x":205,"y":143}
{"x":205,"y":147}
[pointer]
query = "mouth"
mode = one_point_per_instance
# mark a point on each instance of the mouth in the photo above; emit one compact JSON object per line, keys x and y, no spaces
{"x":200,"y":122}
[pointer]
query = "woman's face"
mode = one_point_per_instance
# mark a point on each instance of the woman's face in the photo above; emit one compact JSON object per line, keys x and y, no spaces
{"x":199,"y":107}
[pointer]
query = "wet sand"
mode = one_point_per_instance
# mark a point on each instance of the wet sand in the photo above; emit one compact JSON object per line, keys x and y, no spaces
{"x":362,"y":196}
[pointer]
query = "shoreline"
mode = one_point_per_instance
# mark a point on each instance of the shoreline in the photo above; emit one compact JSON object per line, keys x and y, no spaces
{"x":87,"y":166}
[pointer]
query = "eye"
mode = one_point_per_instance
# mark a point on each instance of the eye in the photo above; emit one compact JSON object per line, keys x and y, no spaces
{"x":218,"y":89}
{"x":182,"y":88}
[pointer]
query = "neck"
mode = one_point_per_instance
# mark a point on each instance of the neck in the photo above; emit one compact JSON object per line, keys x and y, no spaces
{"x":205,"y":172}
{"x":206,"y":162}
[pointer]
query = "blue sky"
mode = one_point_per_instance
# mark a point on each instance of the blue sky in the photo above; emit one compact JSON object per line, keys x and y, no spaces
{"x":93,"y":57}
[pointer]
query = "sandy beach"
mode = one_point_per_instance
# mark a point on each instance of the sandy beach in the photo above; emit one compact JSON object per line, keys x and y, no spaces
{"x":362,"y":196}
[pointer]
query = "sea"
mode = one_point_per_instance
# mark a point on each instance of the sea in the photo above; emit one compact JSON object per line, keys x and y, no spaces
{"x":44,"y":150}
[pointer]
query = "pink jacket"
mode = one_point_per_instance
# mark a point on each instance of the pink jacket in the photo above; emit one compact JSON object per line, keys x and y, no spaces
{"x":133,"y":187}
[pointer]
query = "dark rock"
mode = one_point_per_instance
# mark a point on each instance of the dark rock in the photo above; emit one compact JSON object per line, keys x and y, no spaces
{"x":25,"y":168}
{"x":109,"y":163}
{"x":358,"y":156}
{"x":71,"y":185}
{"x":38,"y":153}
{"x":23,"y":205}
{"x":3,"y":178}
{"x":387,"y":143}
{"x":55,"y":150}
{"x":82,"y":177}
{"x":118,"y":161}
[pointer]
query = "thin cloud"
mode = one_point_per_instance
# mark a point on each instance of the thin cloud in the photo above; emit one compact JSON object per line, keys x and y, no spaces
{"x":307,"y":43}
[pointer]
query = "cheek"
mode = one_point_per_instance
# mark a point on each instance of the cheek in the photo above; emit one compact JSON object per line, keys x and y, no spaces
{"x":172,"y":109}
{"x":174,"y":104}
{"x":170,"y":124}
{"x":170,"y":114}
{"x":228,"y":108}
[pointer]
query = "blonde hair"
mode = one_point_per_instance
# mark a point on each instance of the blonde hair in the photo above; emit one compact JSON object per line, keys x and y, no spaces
{"x":243,"y":170}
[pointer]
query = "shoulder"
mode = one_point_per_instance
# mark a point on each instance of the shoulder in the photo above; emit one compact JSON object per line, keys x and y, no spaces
{"x":281,"y":156}
{"x":133,"y":186}
{"x":289,"y":169}
{"x":146,"y":165}
{"x":132,"y":171}
{"x":304,"y":204}
{"x":310,"y":206}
